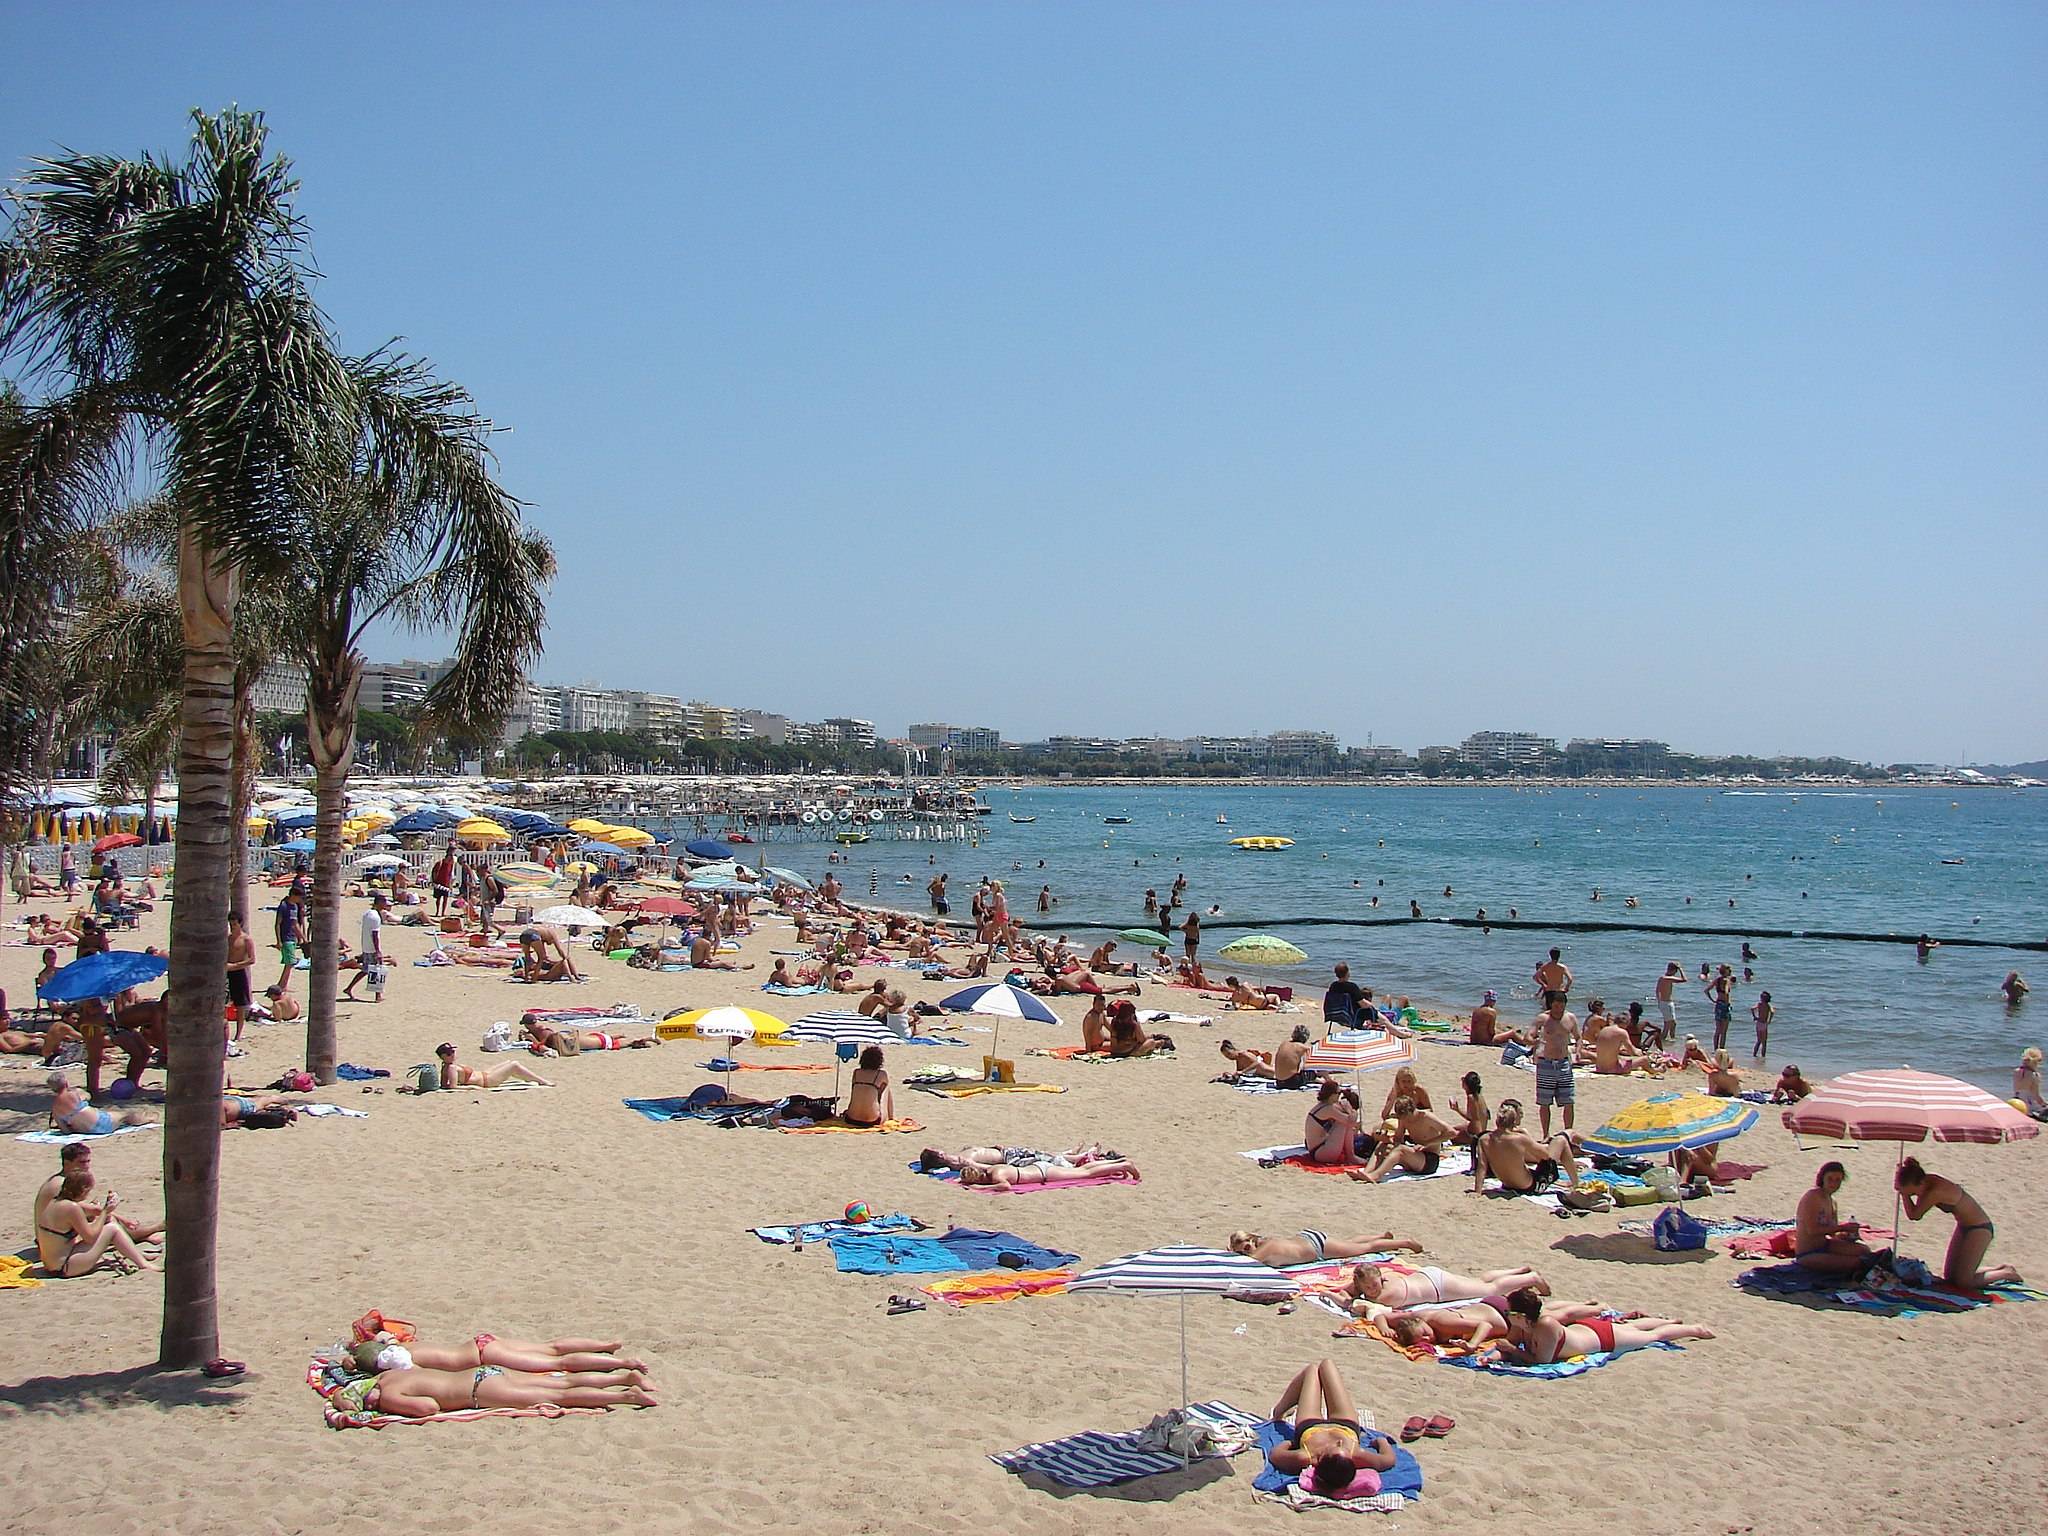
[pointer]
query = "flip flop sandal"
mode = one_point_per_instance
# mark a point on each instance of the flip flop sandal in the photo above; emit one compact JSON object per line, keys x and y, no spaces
{"x":221,"y":1368}
{"x":1438,"y":1427}
{"x":901,"y":1304}
{"x":1413,"y":1430}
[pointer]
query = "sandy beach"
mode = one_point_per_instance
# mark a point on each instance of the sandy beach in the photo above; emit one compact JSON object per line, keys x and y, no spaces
{"x":791,"y":1398}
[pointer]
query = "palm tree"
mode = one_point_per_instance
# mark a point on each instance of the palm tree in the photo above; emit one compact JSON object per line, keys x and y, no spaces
{"x":414,"y":529}
{"x":166,"y":310}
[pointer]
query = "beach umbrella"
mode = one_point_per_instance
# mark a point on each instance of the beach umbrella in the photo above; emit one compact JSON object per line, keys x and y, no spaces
{"x":115,"y":840}
{"x":588,"y":825}
{"x":572,"y":917}
{"x":422,"y":821}
{"x":597,"y":847}
{"x":481,"y":829}
{"x":1667,"y":1122}
{"x":1183,"y":1271}
{"x":786,"y":877}
{"x":631,"y":837}
{"x":293,"y":820}
{"x":1359,"y":1051}
{"x":668,"y":906}
{"x":298,"y":845}
{"x":1262,"y":949}
{"x":722,"y":1022}
{"x":708,"y":848}
{"x":383,"y":840}
{"x":580,"y":867}
{"x":999,"y":1000}
{"x":379,"y":861}
{"x":520,"y":872}
{"x":1146,"y":938}
{"x":1905,"y":1106}
{"x":103,"y":975}
{"x":734,"y":1024}
{"x":840,"y":1026}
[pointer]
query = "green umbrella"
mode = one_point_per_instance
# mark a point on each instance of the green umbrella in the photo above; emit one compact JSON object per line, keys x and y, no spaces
{"x":1150,"y":938}
{"x":1262,"y":949}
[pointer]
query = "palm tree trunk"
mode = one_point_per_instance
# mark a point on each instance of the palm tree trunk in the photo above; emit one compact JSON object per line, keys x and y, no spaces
{"x":245,"y":792}
{"x":331,"y":694}
{"x":207,"y":593}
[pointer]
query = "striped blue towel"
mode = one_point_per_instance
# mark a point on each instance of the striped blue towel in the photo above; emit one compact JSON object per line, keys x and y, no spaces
{"x":1093,"y":1459}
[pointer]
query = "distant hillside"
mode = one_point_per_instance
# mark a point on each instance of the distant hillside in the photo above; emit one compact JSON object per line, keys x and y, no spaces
{"x":2034,"y":770}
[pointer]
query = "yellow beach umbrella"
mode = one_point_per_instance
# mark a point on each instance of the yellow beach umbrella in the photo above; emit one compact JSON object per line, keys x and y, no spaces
{"x":682,"y":1024}
{"x":630,"y":837}
{"x":580,"y":867}
{"x":588,"y":826}
{"x":526,"y":874}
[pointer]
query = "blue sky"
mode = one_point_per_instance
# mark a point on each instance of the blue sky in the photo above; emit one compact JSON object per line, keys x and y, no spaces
{"x":1405,"y":370}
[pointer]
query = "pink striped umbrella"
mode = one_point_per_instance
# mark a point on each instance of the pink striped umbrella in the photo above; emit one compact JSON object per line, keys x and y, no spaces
{"x":1360,"y":1051}
{"x":1906,"y":1106}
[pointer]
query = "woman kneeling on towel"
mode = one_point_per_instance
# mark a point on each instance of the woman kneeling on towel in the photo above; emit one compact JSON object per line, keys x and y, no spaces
{"x":1922,"y":1192}
{"x":1534,"y":1339}
{"x":1341,"y":1458}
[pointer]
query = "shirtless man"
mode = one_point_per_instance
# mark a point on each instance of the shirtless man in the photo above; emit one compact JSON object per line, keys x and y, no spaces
{"x":1553,"y":975}
{"x":1313,"y":1247}
{"x":100,"y":1030}
{"x":241,"y":961}
{"x":1557,"y":1038}
{"x":539,"y":941}
{"x":1485,"y":1020}
{"x":76,"y":1157}
{"x":1287,"y":1068}
{"x":1610,"y":1050}
{"x":1667,"y":1002}
{"x":1247,"y":1063}
{"x":1417,"y":1146}
{"x":1524,"y":1165}
{"x":1376,"y":1288}
{"x":46,"y":1042}
{"x":704,"y":957}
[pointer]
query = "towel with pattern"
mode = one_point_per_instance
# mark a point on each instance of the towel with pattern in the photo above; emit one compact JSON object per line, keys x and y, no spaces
{"x":988,"y":1286}
{"x":1455,"y":1162}
{"x":817,"y":1231}
{"x":823,"y":1127}
{"x":1887,"y":1295}
{"x":1094,"y":1459}
{"x":962,"y":1248}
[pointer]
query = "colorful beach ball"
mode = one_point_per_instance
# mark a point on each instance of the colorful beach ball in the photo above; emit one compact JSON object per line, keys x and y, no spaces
{"x":857,"y":1211}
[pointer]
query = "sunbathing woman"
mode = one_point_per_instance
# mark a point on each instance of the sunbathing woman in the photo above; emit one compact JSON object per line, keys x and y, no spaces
{"x":1341,"y":1457}
{"x":1474,"y":1115}
{"x":573,"y":1042}
{"x":1247,"y":1063}
{"x":1922,"y":1192}
{"x":1723,"y":1081}
{"x":1534,"y":1339}
{"x":1020,"y":1157}
{"x":1313,"y":1247}
{"x":1376,"y":1285}
{"x":70,"y":1240}
{"x":489,"y":1349}
{"x":72,"y":1112}
{"x":420,"y":1394}
{"x":869,"y":1099}
{"x":46,"y":1043}
{"x":1478,"y":1322}
{"x":1822,"y":1241}
{"x":1010,"y":1176}
{"x":454,"y":1075}
{"x":1331,"y":1131}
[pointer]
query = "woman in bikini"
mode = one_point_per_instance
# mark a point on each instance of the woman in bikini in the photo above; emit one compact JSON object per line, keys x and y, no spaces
{"x":1341,"y":1457}
{"x":1373,"y":1286}
{"x":1822,"y":1241}
{"x":869,"y":1099}
{"x":71,"y":1240}
{"x":1922,"y":1192}
{"x":505,"y":1354}
{"x":1011,"y":1176}
{"x":1313,"y":1247}
{"x":413,"y":1393}
{"x":1534,"y":1339}
{"x":1126,"y":1038}
{"x":1330,"y":1133}
{"x":454,"y":1075}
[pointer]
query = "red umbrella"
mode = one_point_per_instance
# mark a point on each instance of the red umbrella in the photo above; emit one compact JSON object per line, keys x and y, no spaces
{"x":668,"y":906}
{"x":1905,"y":1106}
{"x":115,"y":840}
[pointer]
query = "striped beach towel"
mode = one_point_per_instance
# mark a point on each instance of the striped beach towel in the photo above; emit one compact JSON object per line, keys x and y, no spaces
{"x":1093,"y":1459}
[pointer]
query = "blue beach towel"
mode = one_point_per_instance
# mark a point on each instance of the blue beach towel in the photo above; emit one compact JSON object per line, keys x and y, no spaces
{"x":1891,"y":1298}
{"x":817,"y":1231}
{"x":1555,"y":1370}
{"x":1093,"y":1459}
{"x":963,"y":1248}
{"x":349,"y":1072}
{"x":702,"y":1104}
{"x":782,"y":991}
{"x":1403,"y":1477}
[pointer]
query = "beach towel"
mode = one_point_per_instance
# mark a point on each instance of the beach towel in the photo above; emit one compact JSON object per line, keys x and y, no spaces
{"x":1398,"y":1484}
{"x":988,"y":1286}
{"x":1882,"y":1294}
{"x":66,"y":1138}
{"x":781,"y":991}
{"x":958,"y":1090}
{"x":321,"y":1111}
{"x":14,"y":1275}
{"x":664,"y":1110}
{"x":1245,"y":1084}
{"x":949,"y":1176}
{"x":1720,"y":1226}
{"x":892,"y":1127}
{"x":1455,"y":1162}
{"x":324,"y":1375}
{"x":818,"y":1231}
{"x":1094,"y":1459}
{"x":1064,"y":1052}
{"x":721,"y":1064}
{"x":349,"y":1072}
{"x":963,"y":1248}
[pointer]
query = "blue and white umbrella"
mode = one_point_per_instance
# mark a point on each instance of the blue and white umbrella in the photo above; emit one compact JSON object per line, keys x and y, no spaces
{"x":786,"y":877}
{"x":110,"y":972}
{"x":999,"y":1000}
{"x":839,"y":1026}
{"x":611,"y":848}
{"x":298,"y":845}
{"x":708,"y":848}
{"x":1184,"y":1271}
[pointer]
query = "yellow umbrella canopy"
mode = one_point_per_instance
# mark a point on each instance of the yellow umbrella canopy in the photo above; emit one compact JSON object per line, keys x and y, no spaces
{"x":481,"y":829}
{"x":589,"y":826}
{"x":682,"y":1024}
{"x":629,"y":837}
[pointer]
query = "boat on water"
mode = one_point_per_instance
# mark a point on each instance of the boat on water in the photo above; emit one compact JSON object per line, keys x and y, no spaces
{"x":1262,"y":844}
{"x":1116,"y":821}
{"x":849,"y":837}
{"x":1023,"y":821}
{"x":1222,"y":820}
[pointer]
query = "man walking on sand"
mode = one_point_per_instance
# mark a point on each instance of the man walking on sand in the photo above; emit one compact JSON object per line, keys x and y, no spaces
{"x":372,"y":954}
{"x":1557,"y":1039}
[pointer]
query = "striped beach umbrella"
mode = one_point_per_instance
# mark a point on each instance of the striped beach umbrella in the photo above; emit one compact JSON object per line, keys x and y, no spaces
{"x":1905,"y":1106}
{"x":999,"y":1000}
{"x":839,"y":1026}
{"x":1667,"y":1122}
{"x":1360,"y":1051}
{"x":1182,"y":1271}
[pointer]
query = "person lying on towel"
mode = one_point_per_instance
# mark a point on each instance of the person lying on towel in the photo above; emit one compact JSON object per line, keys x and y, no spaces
{"x":412,"y":1393}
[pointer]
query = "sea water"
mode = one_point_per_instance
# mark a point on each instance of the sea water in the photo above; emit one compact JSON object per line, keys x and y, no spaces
{"x":1876,"y":861}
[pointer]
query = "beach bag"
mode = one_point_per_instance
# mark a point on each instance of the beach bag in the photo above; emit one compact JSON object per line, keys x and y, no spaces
{"x":1584,"y":1199}
{"x":499,"y":1037}
{"x":1675,"y":1232}
{"x":425,"y":1077}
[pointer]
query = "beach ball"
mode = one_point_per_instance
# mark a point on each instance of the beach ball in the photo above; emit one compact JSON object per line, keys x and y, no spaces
{"x":123,"y":1089}
{"x":857,"y":1211}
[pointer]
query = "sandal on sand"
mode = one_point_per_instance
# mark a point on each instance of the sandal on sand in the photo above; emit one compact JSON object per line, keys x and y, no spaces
{"x":1438,"y":1427}
{"x":899,"y":1304}
{"x":1413,"y":1430}
{"x":220,"y":1368}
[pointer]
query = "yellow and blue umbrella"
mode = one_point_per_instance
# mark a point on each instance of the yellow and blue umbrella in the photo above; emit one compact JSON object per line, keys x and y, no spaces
{"x":1666,"y":1122}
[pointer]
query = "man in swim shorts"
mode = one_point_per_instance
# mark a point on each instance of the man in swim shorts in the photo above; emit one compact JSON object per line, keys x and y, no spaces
{"x":1557,"y":1039}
